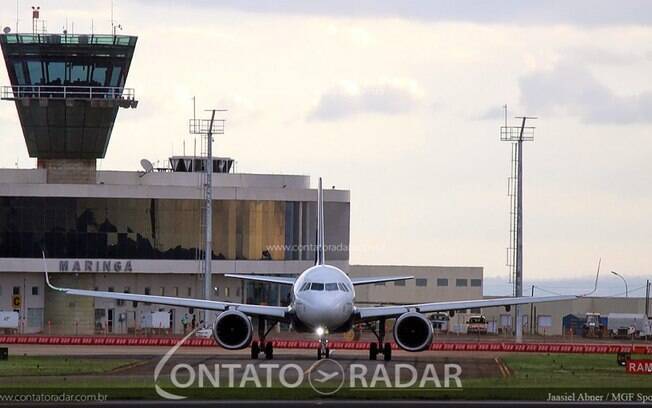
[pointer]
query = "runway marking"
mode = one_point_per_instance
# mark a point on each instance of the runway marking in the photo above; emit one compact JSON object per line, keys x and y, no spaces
{"x":504,"y":370}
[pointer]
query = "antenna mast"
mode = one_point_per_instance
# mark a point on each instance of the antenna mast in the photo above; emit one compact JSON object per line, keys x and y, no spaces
{"x":516,"y":135}
{"x":207,"y":128}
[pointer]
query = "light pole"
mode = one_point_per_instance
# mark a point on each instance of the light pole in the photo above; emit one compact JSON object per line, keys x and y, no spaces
{"x":621,"y":277}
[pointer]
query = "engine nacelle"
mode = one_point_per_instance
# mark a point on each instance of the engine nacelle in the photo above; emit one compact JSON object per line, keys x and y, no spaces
{"x":413,"y":331}
{"x":233,"y":330}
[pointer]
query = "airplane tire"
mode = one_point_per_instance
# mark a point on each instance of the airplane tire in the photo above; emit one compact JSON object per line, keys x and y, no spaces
{"x":373,"y":351}
{"x":387,"y":352}
{"x":319,"y":353}
{"x":269,"y":350}
{"x":255,"y":350}
{"x":328,"y":352}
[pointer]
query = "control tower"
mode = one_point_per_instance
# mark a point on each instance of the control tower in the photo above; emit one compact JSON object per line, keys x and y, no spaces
{"x":67,"y":90}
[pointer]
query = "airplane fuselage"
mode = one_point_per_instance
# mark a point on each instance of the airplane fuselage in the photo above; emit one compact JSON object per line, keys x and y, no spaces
{"x":323,"y":297}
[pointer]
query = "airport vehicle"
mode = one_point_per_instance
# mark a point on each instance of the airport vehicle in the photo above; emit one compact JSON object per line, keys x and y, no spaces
{"x":628,"y":325}
{"x":593,"y":327}
{"x":322,"y":302}
{"x":477,"y":325}
{"x":440,"y":322}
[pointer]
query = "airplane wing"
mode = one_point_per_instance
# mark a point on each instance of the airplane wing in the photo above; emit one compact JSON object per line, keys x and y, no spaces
{"x":274,"y":312}
{"x":263,"y":278}
{"x":366,"y":280}
{"x":371,"y":313}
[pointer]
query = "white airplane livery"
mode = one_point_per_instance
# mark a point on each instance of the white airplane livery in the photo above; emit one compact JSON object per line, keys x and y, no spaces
{"x":322,"y":302}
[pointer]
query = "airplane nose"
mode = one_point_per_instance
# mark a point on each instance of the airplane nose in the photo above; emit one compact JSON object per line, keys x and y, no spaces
{"x":329,"y":311}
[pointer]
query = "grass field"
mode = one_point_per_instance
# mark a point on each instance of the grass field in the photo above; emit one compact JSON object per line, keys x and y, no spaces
{"x":532,"y":377}
{"x":58,"y":366}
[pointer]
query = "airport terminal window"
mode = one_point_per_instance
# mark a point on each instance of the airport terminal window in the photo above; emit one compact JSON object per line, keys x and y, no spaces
{"x":317,"y":286}
{"x":16,"y":290}
{"x":476,"y":283}
{"x":148,"y":291}
{"x":461,"y":283}
{"x":163,"y":229}
{"x":379,"y":283}
{"x":422,"y":282}
{"x":35,"y":290}
{"x":442,"y":282}
{"x":399,"y":283}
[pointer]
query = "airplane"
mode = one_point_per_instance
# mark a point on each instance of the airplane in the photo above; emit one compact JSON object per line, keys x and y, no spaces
{"x":322,"y":302}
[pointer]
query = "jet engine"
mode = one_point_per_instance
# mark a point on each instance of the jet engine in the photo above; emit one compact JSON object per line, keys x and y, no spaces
{"x":232,"y":330}
{"x":413,"y":331}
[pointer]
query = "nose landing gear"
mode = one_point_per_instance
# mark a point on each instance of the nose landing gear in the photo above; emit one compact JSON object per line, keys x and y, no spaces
{"x":323,"y":351}
{"x":381,"y":347}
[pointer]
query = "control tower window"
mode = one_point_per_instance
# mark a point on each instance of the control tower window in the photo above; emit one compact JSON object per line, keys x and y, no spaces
{"x":35,"y":72}
{"x":78,"y":74}
{"x":20,"y":75}
{"x":56,"y":73}
{"x":99,"y":76}
{"x":115,"y":76}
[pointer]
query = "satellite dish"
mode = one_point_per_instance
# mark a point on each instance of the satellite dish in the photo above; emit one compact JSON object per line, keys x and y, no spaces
{"x":6,"y":30}
{"x":147,"y":165}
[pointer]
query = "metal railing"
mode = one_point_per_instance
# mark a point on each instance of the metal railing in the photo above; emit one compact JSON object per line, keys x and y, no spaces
{"x":71,"y":39}
{"x":66,"y":92}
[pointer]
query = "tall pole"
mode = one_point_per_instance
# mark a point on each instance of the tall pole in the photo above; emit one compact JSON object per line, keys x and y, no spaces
{"x":517,"y":135}
{"x":518,"y":283}
{"x":647,"y":299}
{"x":208,"y":216}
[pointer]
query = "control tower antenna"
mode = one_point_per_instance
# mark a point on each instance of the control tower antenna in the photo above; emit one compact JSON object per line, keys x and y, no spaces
{"x":36,"y":11}
{"x":516,"y":135}
{"x":207,"y":128}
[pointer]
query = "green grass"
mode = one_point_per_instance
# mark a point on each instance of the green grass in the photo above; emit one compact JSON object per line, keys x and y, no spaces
{"x":51,"y":365}
{"x":569,"y":370}
{"x":533,"y":377}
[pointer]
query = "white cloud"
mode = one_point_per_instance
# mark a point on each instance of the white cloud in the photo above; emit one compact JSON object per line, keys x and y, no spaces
{"x":570,"y":88}
{"x":381,"y":97}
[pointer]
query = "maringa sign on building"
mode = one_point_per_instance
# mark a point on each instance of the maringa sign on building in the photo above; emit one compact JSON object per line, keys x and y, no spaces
{"x":95,"y":266}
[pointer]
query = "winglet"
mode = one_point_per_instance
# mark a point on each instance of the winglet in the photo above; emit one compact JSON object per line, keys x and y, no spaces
{"x":320,"y":259}
{"x":595,"y":287}
{"x":47,"y":279}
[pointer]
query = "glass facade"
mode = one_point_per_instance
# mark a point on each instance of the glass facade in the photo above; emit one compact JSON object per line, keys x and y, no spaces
{"x":123,"y":228}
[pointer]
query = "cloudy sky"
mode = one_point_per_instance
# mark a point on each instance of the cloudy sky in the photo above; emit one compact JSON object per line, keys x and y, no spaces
{"x":401,"y":102}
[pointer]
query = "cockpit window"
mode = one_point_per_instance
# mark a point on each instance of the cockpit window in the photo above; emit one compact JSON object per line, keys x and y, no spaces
{"x":317,"y":286}
{"x":343,"y":287}
{"x":331,"y":286}
{"x":305,"y":286}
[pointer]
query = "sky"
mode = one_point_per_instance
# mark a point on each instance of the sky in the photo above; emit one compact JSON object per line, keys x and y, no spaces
{"x":401,"y":103}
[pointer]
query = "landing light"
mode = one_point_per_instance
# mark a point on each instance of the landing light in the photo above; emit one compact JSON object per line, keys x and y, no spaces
{"x":320,"y":331}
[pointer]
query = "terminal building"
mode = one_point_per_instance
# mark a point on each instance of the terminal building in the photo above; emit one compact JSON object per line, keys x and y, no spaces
{"x":141,"y":231}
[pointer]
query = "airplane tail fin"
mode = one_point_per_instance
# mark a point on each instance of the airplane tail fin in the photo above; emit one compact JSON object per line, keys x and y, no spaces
{"x":319,"y":251}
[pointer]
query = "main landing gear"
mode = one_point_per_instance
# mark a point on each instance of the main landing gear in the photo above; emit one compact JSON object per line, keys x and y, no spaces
{"x":380,"y":348}
{"x":262,"y":347}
